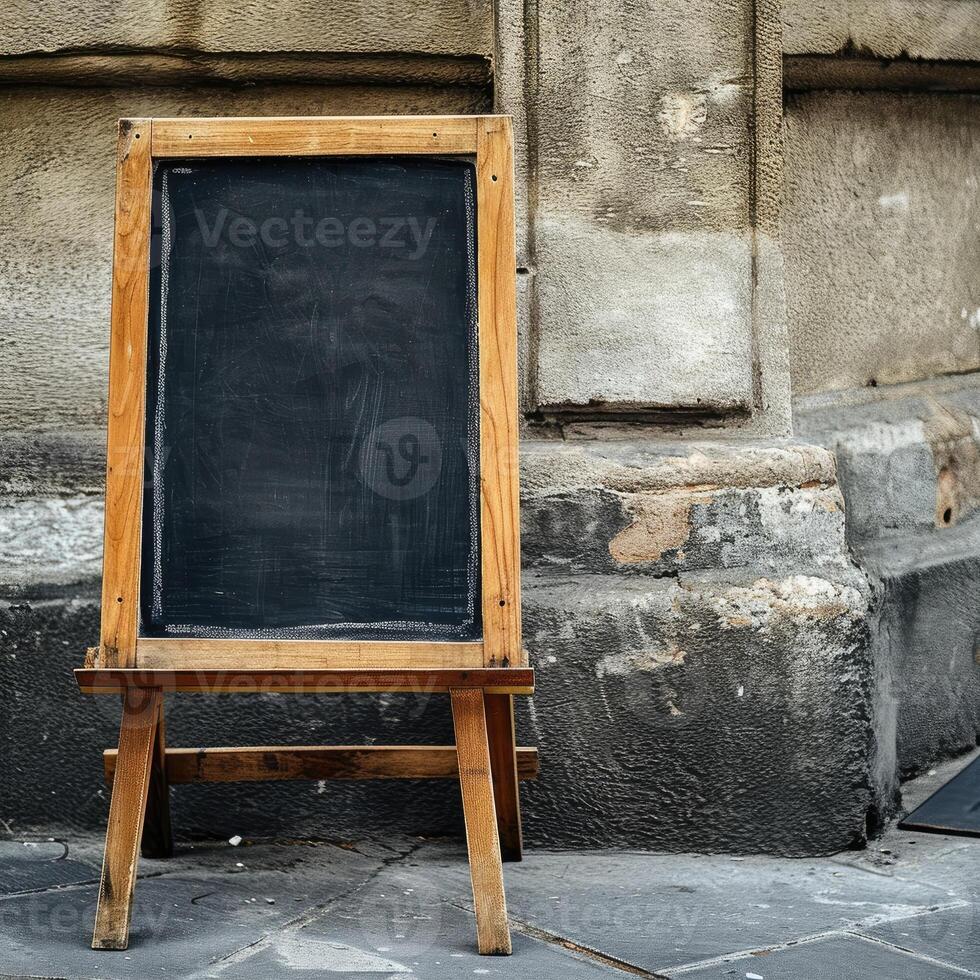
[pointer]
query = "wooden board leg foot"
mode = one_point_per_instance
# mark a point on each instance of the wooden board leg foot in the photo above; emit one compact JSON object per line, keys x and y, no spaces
{"x":503,"y":766}
{"x":158,"y":839}
{"x":482,"y":842}
{"x":141,"y":712}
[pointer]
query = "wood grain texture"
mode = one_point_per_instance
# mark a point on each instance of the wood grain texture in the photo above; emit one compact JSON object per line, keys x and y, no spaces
{"x":314,"y":135}
{"x":504,"y":767}
{"x":157,"y":839}
{"x":127,"y":378}
{"x":486,"y":871}
{"x":192,"y":654}
{"x":499,"y":517}
{"x":141,"y":709}
{"x":278,"y":762}
{"x":514,"y":680}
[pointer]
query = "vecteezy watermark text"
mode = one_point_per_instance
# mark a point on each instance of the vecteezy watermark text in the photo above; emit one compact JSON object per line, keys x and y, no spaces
{"x":406,"y":232}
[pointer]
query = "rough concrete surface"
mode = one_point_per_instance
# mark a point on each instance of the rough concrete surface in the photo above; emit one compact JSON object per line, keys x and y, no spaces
{"x":433,"y":27}
{"x":907,"y":464}
{"x":643,"y":172}
{"x":947,"y":30}
{"x":880,"y":239}
{"x":56,"y":540}
{"x":56,"y":214}
{"x":905,"y":908}
{"x":679,"y":164}
{"x":673,"y":327}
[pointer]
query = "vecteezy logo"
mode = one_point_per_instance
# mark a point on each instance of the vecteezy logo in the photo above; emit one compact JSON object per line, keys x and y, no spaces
{"x":401,"y":458}
{"x":406,"y":235}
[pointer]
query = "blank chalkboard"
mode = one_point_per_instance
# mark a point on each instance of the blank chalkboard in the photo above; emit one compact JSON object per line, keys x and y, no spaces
{"x":312,"y":400}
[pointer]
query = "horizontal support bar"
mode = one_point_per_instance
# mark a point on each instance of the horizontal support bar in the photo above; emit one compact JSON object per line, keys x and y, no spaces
{"x":313,"y":136}
{"x":269,"y":762}
{"x":186,"y":653}
{"x":497,"y":680}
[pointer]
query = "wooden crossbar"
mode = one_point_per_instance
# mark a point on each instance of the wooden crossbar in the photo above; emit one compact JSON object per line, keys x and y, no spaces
{"x":272,"y":762}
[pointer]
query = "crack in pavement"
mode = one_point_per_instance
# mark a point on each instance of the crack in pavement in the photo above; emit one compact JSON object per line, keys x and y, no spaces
{"x":925,"y":958}
{"x":309,"y":914}
{"x":852,"y":930}
{"x":580,"y":949}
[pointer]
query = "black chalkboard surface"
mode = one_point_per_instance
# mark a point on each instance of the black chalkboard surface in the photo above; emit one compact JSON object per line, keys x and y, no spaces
{"x":312,"y":406}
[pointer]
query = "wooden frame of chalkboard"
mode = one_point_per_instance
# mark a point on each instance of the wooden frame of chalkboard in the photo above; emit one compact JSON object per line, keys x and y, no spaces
{"x":488,"y":139}
{"x":480,"y":675}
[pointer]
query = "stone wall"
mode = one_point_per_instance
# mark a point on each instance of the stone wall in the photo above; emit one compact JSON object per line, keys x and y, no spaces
{"x":881,"y":241}
{"x":691,"y":694}
{"x":732,"y":625}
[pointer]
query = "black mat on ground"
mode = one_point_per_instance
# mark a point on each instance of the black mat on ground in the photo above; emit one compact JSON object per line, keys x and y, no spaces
{"x":953,"y":808}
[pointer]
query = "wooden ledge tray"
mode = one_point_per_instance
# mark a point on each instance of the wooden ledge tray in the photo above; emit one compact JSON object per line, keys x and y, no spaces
{"x":496,"y":680}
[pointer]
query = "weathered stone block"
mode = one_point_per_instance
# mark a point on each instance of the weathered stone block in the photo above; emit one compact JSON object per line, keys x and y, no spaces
{"x":908,"y":458}
{"x":665,"y":583}
{"x":771,"y":529}
{"x":908,"y":469}
{"x":946,"y":30}
{"x":647,"y":159}
{"x":631,"y":508}
{"x":880,"y":237}
{"x":634,"y":320}
{"x":929,"y":641}
{"x":699,"y":714}
{"x":432,"y":27}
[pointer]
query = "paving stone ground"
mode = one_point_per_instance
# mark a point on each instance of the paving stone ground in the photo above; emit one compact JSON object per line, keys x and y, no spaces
{"x":906,"y":908}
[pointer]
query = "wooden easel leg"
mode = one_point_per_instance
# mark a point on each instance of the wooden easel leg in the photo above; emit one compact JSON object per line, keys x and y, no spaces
{"x":158,"y":839}
{"x":476,"y":784}
{"x":130,"y":785}
{"x":503,"y":766}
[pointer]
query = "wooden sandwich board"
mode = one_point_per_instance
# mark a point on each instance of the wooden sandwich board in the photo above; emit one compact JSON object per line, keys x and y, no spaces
{"x":259,"y":535}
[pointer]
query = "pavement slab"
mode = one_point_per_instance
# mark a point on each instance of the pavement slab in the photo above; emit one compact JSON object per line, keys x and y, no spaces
{"x":905,"y":908}
{"x":177,"y":925}
{"x":437,"y":943}
{"x":32,"y":865}
{"x":952,"y":936}
{"x":658,"y":911}
{"x":397,"y":908}
{"x":848,"y":957}
{"x":208,"y":902}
